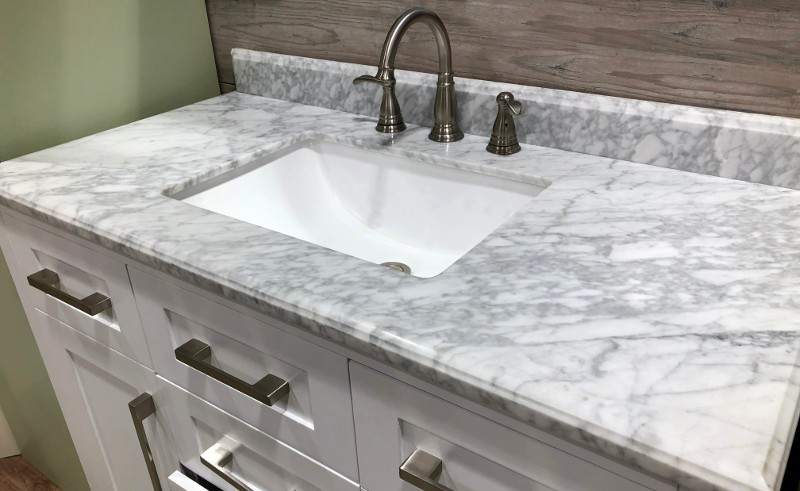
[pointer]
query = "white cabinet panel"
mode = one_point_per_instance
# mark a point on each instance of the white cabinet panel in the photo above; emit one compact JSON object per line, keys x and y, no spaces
{"x":225,"y":450}
{"x":315,"y":417}
{"x":94,"y":385}
{"x":393,"y":420}
{"x":81,"y":272}
{"x":179,"y":482}
{"x":8,"y":446}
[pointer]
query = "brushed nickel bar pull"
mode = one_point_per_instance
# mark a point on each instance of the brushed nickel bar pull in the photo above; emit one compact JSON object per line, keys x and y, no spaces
{"x":141,"y":408}
{"x":422,"y":469}
{"x":219,"y":456}
{"x":47,"y":281}
{"x":268,"y":390}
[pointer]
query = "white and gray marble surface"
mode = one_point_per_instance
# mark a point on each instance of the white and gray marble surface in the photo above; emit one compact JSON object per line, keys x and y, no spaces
{"x":749,"y":147}
{"x":648,"y":314}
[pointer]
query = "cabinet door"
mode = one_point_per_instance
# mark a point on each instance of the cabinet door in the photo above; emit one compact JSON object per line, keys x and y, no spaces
{"x":95,"y":386}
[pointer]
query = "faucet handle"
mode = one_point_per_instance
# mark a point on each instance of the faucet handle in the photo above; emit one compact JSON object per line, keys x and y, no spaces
{"x":507,"y":98}
{"x":367,"y":78}
{"x":504,"y":132}
{"x":390,"y":120}
{"x":373,"y":79}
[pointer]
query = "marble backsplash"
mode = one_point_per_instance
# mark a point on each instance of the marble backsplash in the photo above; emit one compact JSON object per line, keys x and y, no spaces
{"x":749,"y":147}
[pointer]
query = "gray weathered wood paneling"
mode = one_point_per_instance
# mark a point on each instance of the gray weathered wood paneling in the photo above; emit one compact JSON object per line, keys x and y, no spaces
{"x":732,"y":54}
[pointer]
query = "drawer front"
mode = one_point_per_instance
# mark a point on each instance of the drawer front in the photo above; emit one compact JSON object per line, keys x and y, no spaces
{"x":71,"y":278}
{"x":179,"y":482}
{"x":235,"y":456}
{"x":450,"y":448}
{"x":285,"y":386}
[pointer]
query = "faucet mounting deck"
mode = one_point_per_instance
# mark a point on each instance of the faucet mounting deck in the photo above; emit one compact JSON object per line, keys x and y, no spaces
{"x":445,"y":128}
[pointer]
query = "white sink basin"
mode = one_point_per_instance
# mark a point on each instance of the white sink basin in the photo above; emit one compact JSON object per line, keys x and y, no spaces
{"x":371,"y":205}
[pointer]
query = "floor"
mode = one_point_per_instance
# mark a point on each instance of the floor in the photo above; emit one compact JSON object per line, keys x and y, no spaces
{"x":16,"y":474}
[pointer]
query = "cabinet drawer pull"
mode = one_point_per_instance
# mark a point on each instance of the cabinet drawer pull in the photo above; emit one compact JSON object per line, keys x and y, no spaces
{"x":141,"y":408}
{"x":422,"y":469}
{"x":219,"y":456}
{"x":47,"y":281}
{"x":268,"y":390}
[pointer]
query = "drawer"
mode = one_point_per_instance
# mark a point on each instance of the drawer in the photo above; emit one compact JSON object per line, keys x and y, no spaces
{"x":235,"y":361}
{"x":71,"y":278}
{"x":455,"y":449}
{"x":235,"y":456}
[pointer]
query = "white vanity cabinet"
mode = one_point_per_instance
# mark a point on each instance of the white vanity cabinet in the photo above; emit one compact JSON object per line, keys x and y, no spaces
{"x":152,"y":373}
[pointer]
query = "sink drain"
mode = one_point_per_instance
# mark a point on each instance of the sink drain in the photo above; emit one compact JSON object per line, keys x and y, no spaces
{"x":403,"y":268}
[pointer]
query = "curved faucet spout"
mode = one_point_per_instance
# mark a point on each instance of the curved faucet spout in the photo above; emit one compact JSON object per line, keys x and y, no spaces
{"x":445,"y":128}
{"x":401,"y":25}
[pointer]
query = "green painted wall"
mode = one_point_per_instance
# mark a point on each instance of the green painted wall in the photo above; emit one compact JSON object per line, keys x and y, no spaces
{"x":70,"y":68}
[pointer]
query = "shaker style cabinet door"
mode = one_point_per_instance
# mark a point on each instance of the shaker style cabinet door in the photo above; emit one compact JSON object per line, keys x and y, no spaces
{"x":111,"y":408}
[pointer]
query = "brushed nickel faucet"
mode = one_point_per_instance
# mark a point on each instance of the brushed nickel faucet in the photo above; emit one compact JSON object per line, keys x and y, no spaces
{"x":445,"y":128}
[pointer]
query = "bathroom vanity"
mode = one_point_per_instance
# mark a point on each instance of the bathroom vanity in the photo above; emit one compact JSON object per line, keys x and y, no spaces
{"x":618,"y":327}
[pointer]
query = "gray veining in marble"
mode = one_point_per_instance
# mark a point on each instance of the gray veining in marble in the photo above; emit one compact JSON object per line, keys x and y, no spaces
{"x":749,"y":147}
{"x":648,"y":314}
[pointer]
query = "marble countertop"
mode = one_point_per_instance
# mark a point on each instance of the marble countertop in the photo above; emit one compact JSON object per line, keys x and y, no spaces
{"x":648,"y":314}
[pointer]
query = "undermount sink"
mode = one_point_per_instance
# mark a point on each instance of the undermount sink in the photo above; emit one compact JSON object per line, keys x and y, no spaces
{"x":375,"y":206}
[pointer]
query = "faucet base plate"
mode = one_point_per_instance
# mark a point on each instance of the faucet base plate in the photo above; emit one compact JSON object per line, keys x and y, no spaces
{"x":390,"y":128}
{"x":503,"y":150}
{"x":446,"y":133}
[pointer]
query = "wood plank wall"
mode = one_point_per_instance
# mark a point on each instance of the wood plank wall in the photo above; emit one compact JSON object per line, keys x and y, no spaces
{"x":732,"y":54}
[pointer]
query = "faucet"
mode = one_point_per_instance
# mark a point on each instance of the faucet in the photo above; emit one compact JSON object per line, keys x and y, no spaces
{"x":445,"y":128}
